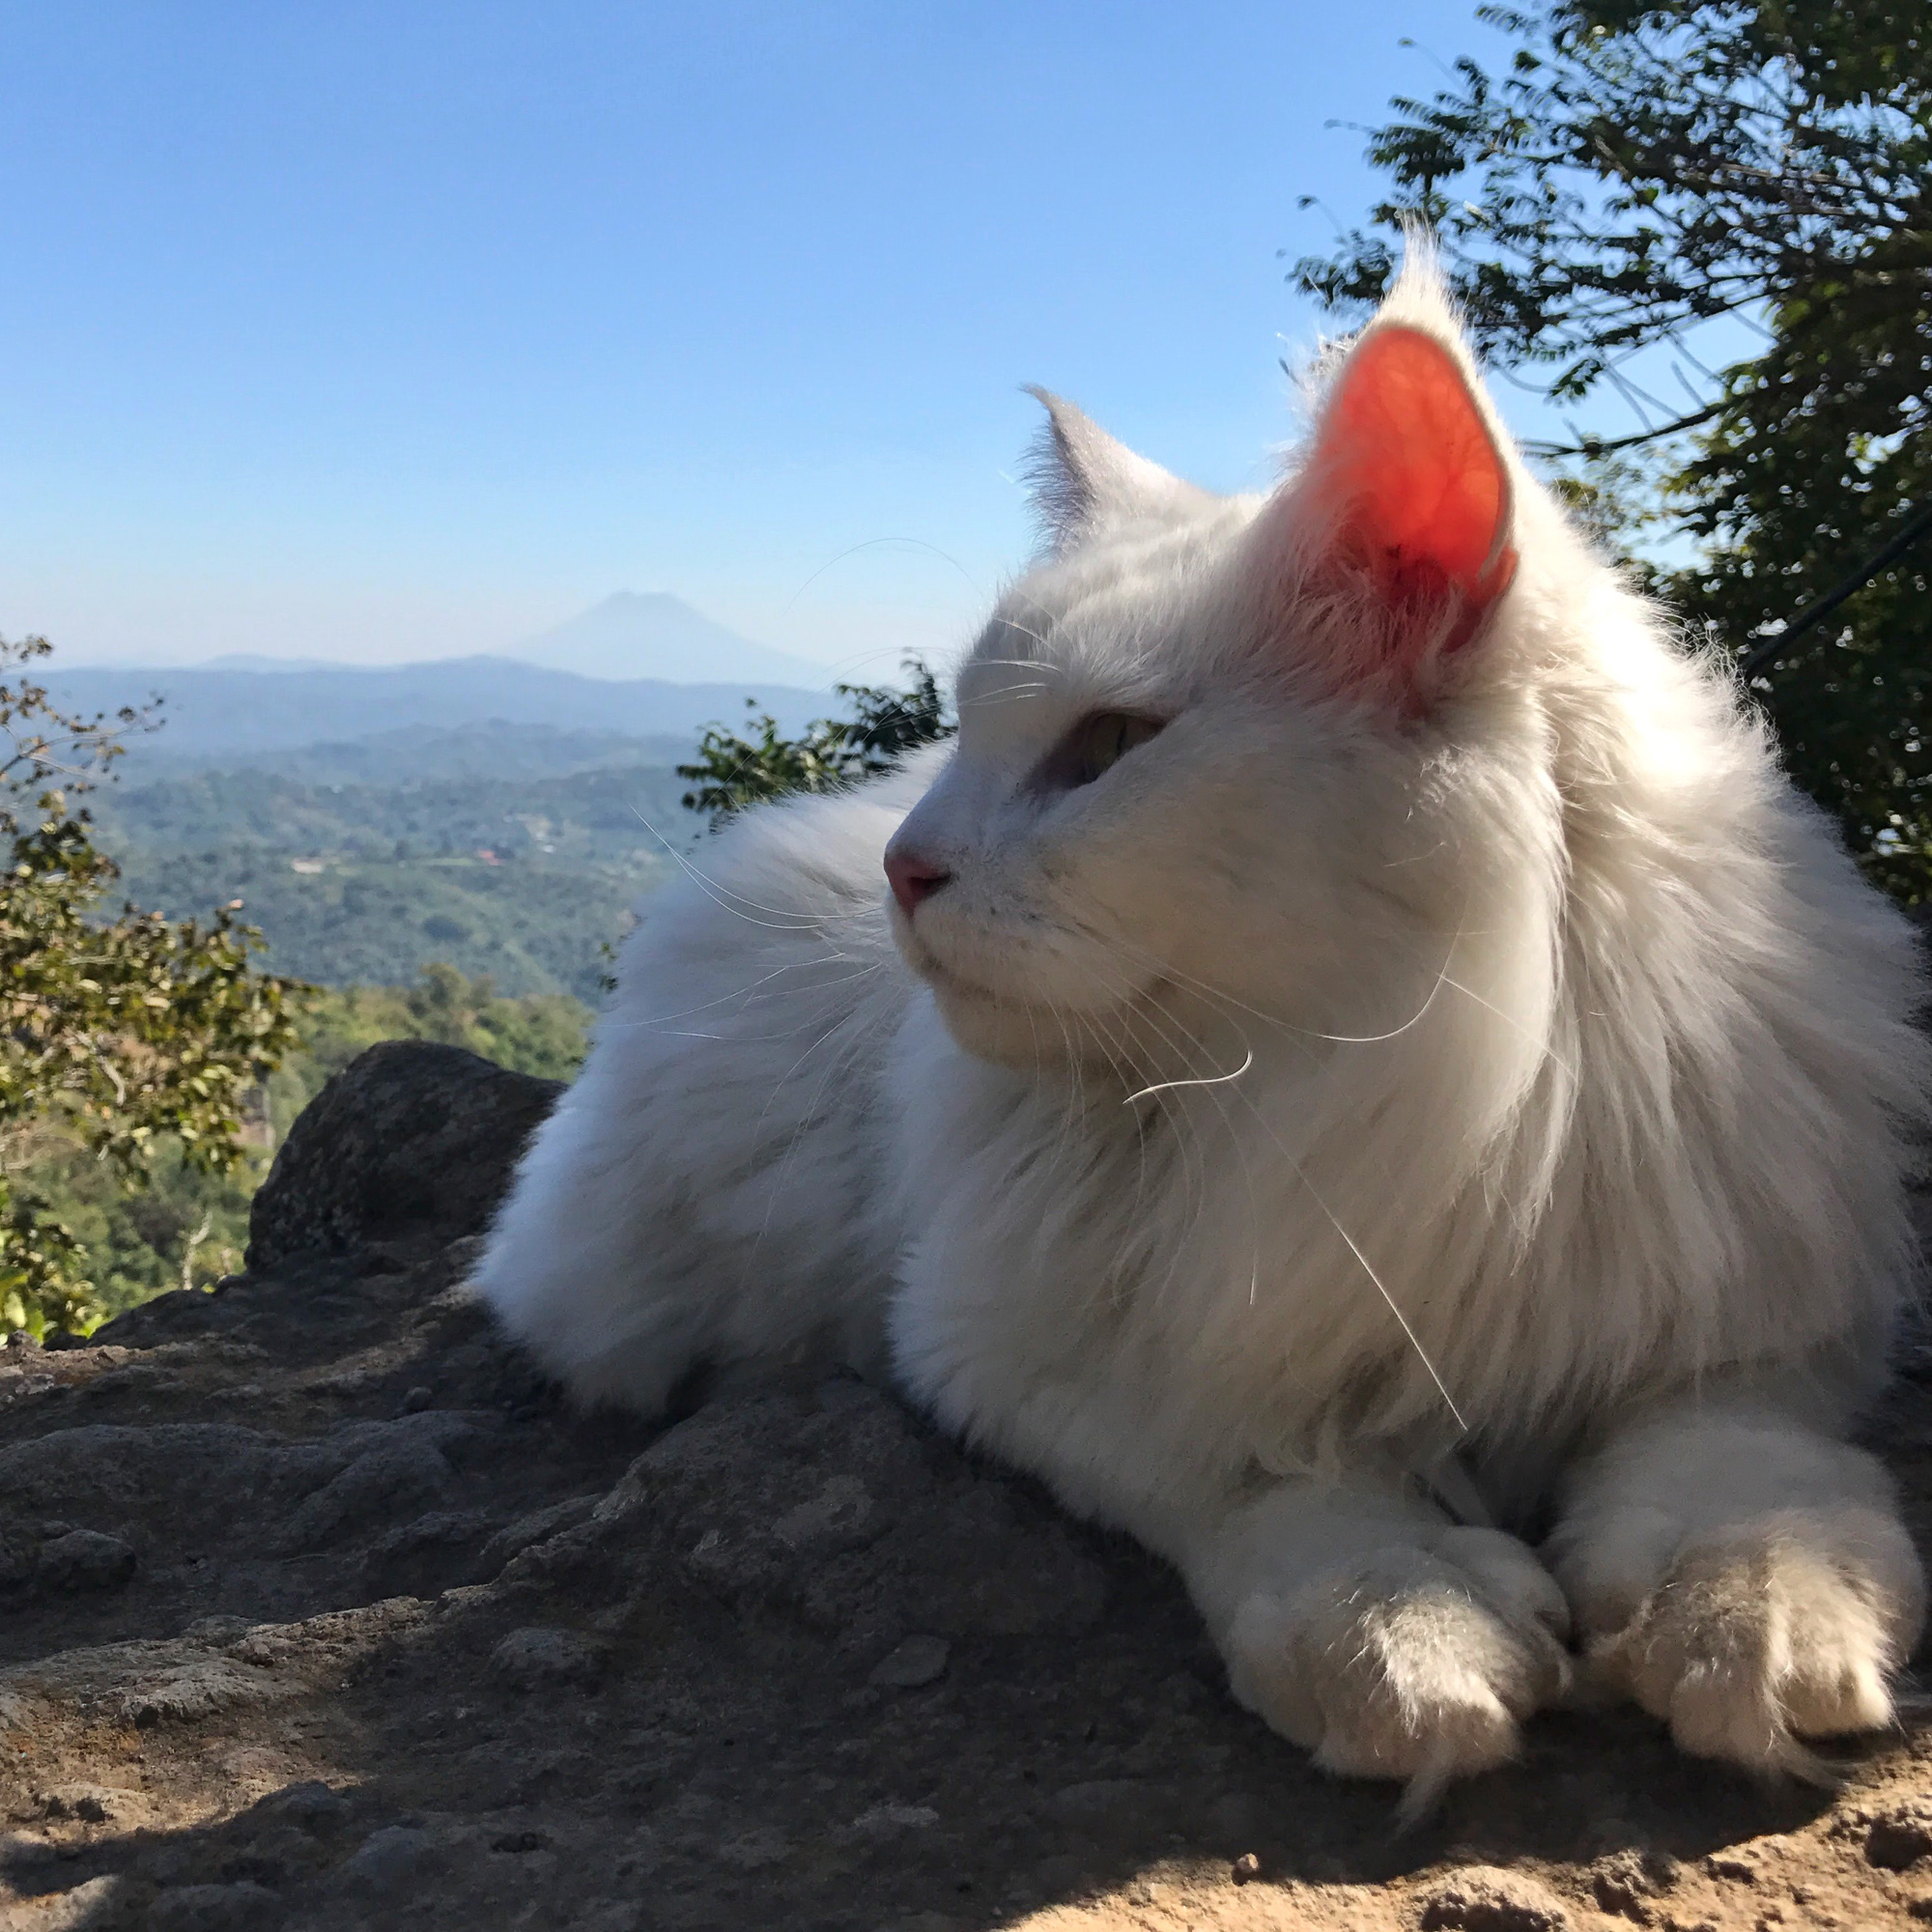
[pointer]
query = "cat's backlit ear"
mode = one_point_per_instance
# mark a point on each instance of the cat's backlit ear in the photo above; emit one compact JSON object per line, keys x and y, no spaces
{"x":1407,"y":498}
{"x":1082,"y":480}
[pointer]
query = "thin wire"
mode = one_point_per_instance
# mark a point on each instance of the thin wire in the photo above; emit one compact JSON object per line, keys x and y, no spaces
{"x":1761,"y":653}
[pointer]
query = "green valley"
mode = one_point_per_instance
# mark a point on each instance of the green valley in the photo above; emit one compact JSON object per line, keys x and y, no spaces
{"x":525,"y":879}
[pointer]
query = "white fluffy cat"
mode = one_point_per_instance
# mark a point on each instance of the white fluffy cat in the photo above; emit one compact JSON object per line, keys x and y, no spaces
{"x":1362,"y":1047}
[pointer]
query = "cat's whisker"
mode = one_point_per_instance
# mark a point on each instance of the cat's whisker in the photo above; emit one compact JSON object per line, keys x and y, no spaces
{"x":1042,"y":664}
{"x":1008,"y":622}
{"x":789,"y":1033}
{"x":1008,"y":694}
{"x":1354,"y":1246}
{"x":1203,"y":1080}
{"x":842,"y":1019}
{"x":1178,"y":1121}
{"x":1123,"y":1074}
{"x":1368,"y":1268}
{"x":1076,"y":1103}
{"x":1184,"y":1128}
{"x":744,"y":995}
{"x":1214,"y":993}
{"x":1069,"y":1079}
{"x":1119,"y":1071}
{"x":720,"y":895}
{"x":1541,"y":1040}
{"x":882,"y":543}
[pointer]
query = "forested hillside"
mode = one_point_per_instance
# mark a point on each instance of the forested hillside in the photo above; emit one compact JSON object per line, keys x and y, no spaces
{"x":520,"y":878}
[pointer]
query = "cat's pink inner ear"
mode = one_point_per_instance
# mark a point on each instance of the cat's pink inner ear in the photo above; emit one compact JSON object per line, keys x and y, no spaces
{"x":1423,"y":492}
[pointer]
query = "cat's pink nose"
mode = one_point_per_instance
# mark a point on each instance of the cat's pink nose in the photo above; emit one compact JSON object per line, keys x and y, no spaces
{"x":913,"y":878}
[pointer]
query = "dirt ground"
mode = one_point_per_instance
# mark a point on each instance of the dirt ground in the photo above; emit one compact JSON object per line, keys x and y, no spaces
{"x":320,"y":1613}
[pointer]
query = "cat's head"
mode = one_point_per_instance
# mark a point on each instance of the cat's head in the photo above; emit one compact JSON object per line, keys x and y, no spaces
{"x":1204,"y":742}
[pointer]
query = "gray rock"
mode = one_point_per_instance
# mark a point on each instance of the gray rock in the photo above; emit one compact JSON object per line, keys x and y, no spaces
{"x":1625,"y":1880}
{"x":885,"y":1820}
{"x":1901,"y":1835}
{"x":1100,"y":1800}
{"x":533,"y":1527}
{"x":754,"y":1850}
{"x":197,"y":1471}
{"x":410,"y":1141}
{"x":843,"y":1507}
{"x":386,"y":1481}
{"x":1238,"y":1815}
{"x":614,"y":1914}
{"x":186,"y":1692}
{"x":392,"y":1860}
{"x":843,"y":1516}
{"x":1485,"y":1899}
{"x":19,"y":1554}
{"x":918,"y":1660}
{"x":84,"y":1559}
{"x":540,"y":1654}
{"x":311,"y":1805}
{"x":243,"y":1907}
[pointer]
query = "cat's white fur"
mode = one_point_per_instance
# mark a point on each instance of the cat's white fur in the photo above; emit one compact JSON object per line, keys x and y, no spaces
{"x":1363,"y":1116}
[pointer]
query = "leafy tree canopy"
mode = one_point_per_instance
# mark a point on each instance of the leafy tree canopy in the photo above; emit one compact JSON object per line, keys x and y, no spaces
{"x":733,"y":772}
{"x":115,"y":1033}
{"x":541,"y":1033}
{"x":1639,"y":171}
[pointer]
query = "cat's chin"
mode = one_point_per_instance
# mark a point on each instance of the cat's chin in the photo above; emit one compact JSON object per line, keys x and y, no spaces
{"x":1026,"y":1027}
{"x":980,"y":1022}
{"x":1005,"y":1030}
{"x":990,"y":1026}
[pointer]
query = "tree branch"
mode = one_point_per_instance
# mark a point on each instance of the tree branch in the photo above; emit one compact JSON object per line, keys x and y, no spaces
{"x":1590,"y":445}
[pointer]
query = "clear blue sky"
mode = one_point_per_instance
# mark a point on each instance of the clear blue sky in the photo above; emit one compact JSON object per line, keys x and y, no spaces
{"x":393,"y":330}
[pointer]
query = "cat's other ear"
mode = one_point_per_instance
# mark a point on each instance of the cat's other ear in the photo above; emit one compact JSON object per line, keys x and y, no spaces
{"x":1397,"y":535}
{"x":1081,"y":479}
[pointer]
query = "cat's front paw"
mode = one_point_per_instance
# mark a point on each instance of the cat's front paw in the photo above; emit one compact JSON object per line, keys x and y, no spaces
{"x":1788,"y":1626}
{"x":1412,"y":1661}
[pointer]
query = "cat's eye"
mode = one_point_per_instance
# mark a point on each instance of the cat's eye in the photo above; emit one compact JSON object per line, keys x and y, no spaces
{"x":1094,"y":747}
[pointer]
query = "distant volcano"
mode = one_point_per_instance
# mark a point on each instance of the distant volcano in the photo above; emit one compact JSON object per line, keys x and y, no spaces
{"x":656,"y":635}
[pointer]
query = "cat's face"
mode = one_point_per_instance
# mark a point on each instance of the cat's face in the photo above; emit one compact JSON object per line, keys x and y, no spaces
{"x":1191,"y":741}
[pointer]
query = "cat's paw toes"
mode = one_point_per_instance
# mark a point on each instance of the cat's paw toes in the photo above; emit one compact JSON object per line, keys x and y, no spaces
{"x":1415,"y":1663}
{"x":1784,"y":1628}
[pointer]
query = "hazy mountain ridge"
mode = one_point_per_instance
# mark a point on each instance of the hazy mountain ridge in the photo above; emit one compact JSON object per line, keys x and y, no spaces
{"x":233,"y":715}
{"x":628,"y":638}
{"x":419,"y":755}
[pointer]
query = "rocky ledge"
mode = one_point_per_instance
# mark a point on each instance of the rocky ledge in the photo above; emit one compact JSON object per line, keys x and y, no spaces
{"x":322,"y":1612}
